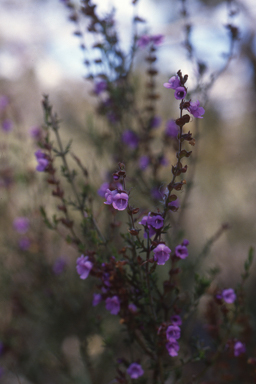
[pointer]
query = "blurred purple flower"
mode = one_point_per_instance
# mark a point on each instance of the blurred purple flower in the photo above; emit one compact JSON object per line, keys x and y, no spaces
{"x":155,"y":122}
{"x":172,"y":347}
{"x":185,"y":242}
{"x":130,"y":138}
{"x":180,"y":93}
{"x":181,"y":251}
{"x":176,"y":320}
{"x":103,"y":189}
{"x":161,"y":254}
{"x":7,"y":125}
{"x":157,"y":39}
{"x":175,"y":203}
{"x":144,"y":162}
{"x":173,"y":332}
{"x":35,"y":133}
{"x":59,"y":266}
{"x":172,"y":129}
{"x":132,"y":307}
{"x":196,"y":110}
{"x":100,"y":87}
{"x":229,"y":295}
{"x":239,"y":348}
{"x":135,"y":371}
{"x":21,"y":224}
{"x":113,"y":305}
{"x":42,"y":161}
{"x":24,"y":243}
{"x":97,"y":298}
{"x":83,"y":266}
{"x":156,"y":194}
{"x":173,"y":82}
{"x":143,"y":41}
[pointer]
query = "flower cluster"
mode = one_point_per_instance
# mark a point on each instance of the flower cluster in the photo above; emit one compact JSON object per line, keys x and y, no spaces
{"x":42,"y":161}
{"x":151,"y":224}
{"x":180,"y":92}
{"x":172,"y":335}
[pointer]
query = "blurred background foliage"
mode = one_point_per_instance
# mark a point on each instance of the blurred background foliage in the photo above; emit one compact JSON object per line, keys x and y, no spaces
{"x":44,"y":313}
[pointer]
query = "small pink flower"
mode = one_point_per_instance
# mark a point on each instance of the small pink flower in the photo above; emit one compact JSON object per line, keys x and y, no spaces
{"x":161,"y":254}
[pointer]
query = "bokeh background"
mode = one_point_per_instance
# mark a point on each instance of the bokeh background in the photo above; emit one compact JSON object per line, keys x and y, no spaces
{"x":39,"y":54}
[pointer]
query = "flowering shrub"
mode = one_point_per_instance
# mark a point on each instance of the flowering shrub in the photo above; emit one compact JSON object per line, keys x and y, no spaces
{"x":140,"y":272}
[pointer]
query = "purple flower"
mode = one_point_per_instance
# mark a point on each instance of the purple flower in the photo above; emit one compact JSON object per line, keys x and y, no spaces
{"x":135,"y":371}
{"x":155,"y":122}
{"x":196,"y":110}
{"x":103,"y":189}
{"x":173,"y":82}
{"x":7,"y":125}
{"x":113,"y":305}
{"x":172,"y":347}
{"x":42,"y":161}
{"x":239,"y":348}
{"x":176,"y":320}
{"x":144,"y":162}
{"x":100,"y":87}
{"x":21,"y":224}
{"x":130,"y":138}
{"x":229,"y":295}
{"x":175,"y":203}
{"x":132,"y":307}
{"x":161,"y":254}
{"x":149,"y":230}
{"x":157,"y":39}
{"x":180,"y":93}
{"x":156,"y":221}
{"x":185,"y":242}
{"x":120,"y":201}
{"x":173,"y":332}
{"x":172,"y":129}
{"x":109,"y":195}
{"x":97,"y":298}
{"x":59,"y":266}
{"x":35,"y":133}
{"x":143,"y":41}
{"x":181,"y":251}
{"x":156,"y":194}
{"x":83,"y":266}
{"x":24,"y":243}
